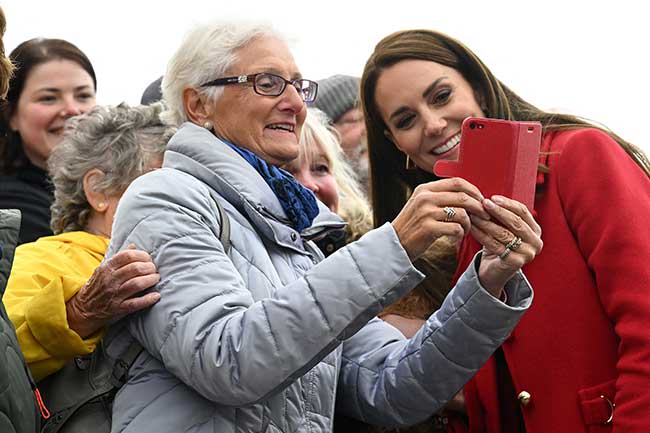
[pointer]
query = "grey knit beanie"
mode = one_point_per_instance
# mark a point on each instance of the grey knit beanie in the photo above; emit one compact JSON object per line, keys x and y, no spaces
{"x":153,"y":93}
{"x":336,"y":95}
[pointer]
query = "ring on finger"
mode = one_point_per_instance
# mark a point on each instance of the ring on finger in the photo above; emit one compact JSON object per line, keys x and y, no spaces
{"x":514,"y":244}
{"x":450,"y":212}
{"x":505,"y":253}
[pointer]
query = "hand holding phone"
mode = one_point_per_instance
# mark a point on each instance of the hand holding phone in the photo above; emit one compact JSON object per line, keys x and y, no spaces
{"x":499,"y":157}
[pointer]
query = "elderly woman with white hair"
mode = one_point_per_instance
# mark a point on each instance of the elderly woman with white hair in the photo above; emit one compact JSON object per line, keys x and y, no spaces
{"x":58,"y":299}
{"x":257,"y":331}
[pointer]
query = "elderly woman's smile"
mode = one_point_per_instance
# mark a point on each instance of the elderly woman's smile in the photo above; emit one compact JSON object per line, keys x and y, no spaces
{"x":268,"y":126}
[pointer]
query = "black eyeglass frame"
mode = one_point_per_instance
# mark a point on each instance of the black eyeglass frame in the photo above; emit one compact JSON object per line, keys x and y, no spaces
{"x":252,"y":79}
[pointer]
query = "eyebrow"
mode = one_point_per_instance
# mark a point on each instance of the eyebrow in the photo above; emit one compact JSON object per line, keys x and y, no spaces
{"x":295,"y":76}
{"x":56,"y":89}
{"x":425,"y":94}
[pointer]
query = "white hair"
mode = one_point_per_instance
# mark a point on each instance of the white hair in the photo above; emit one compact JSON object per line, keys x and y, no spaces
{"x":205,"y":54}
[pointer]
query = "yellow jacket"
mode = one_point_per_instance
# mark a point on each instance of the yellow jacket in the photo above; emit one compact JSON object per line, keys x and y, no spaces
{"x":44,"y":276}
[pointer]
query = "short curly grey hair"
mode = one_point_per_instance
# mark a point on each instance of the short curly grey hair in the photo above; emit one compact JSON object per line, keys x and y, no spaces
{"x":206,"y":53}
{"x":123,"y":142}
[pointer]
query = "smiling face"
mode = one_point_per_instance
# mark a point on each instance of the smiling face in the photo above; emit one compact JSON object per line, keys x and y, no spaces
{"x":424,"y":103}
{"x":268,"y":126}
{"x":53,"y":92}
{"x":313,"y":169}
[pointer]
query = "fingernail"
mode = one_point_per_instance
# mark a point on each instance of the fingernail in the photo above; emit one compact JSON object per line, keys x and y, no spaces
{"x":489,"y":203}
{"x":499,"y":199}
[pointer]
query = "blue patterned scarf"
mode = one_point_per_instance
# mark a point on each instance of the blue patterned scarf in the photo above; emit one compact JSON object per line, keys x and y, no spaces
{"x":297,"y":201}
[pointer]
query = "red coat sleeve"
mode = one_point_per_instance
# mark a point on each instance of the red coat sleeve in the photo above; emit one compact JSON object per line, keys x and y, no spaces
{"x":606,"y":198}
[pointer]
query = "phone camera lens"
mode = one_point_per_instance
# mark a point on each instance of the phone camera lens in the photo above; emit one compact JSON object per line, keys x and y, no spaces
{"x":472,"y":125}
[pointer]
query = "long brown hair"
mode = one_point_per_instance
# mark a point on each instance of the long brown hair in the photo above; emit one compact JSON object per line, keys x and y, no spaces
{"x":391,"y":183}
{"x":26,"y":57}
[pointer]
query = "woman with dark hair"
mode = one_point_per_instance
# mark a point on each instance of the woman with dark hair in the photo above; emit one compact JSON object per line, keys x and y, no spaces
{"x":53,"y":81}
{"x":579,"y":361}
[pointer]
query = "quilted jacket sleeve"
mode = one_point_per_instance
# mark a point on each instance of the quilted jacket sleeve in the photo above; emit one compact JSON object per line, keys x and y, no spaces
{"x":388,"y":380}
{"x":208,"y":330}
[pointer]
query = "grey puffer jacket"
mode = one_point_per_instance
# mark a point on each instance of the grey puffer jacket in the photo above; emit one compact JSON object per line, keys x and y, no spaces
{"x":263,"y":339}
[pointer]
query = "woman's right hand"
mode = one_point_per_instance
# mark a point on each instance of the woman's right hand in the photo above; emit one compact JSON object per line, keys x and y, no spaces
{"x":424,"y":219}
{"x":111,"y":291}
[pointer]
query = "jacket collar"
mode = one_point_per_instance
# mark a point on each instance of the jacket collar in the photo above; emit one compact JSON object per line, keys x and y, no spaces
{"x":94,"y":244}
{"x":198,"y":152}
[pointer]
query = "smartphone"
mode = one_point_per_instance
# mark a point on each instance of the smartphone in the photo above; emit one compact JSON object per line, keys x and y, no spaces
{"x":498,"y":157}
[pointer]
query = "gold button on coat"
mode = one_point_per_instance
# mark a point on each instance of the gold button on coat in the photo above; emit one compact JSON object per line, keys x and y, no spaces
{"x":524,"y":398}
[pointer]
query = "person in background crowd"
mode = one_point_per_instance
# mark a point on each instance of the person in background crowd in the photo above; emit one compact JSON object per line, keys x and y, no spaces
{"x":322,"y":168}
{"x":579,"y":361}
{"x":153,"y":92}
{"x":53,"y":81}
{"x":57,"y":297}
{"x":338,"y":97}
{"x":18,"y":407}
{"x":262,"y":335}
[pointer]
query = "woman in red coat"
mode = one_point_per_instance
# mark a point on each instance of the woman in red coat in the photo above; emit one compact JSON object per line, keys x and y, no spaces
{"x":579,"y":360}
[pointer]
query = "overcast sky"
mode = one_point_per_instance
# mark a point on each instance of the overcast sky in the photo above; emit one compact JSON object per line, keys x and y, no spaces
{"x":587,"y":58}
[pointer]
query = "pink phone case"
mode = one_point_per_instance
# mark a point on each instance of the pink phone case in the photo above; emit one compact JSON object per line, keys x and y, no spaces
{"x":498,"y":156}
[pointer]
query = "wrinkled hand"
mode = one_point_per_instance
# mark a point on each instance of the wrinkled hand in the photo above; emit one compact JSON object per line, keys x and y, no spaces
{"x":510,"y":219}
{"x":423,"y":218}
{"x":111,"y":291}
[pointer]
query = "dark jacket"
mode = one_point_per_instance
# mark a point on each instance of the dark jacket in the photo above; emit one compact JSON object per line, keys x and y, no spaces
{"x":30,"y":191}
{"x":18,"y":410}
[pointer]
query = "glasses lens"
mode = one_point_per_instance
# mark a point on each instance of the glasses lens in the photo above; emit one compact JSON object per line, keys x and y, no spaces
{"x":307,"y":89}
{"x":269,"y":84}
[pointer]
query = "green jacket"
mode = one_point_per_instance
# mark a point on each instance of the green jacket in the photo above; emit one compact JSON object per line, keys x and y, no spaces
{"x":18,"y":409}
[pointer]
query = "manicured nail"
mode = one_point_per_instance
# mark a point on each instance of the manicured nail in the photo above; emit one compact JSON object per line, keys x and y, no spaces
{"x":489,"y":204}
{"x":499,"y":199}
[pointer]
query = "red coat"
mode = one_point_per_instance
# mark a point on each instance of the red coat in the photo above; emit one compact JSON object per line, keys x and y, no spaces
{"x":587,"y":333}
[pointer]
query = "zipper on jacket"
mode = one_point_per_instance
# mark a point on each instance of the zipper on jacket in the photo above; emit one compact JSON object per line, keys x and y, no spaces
{"x":45,"y":413}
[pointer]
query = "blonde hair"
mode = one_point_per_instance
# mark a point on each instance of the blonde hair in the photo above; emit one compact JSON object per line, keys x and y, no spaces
{"x":353,"y":206}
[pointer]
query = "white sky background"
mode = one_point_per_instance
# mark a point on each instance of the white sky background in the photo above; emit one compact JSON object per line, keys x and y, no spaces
{"x":584,"y":57}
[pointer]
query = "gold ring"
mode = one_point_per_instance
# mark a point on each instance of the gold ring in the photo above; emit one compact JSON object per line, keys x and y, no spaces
{"x":514,"y":244}
{"x":450,"y":211}
{"x":505,"y":253}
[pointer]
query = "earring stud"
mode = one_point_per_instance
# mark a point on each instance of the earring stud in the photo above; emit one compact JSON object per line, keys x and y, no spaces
{"x":207,"y":125}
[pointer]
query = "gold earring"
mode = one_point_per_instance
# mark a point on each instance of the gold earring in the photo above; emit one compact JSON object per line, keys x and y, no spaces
{"x":410,"y":165}
{"x":101,"y":205}
{"x":207,"y":125}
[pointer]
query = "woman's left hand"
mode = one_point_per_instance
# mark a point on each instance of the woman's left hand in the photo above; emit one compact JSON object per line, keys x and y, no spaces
{"x":510,"y":239}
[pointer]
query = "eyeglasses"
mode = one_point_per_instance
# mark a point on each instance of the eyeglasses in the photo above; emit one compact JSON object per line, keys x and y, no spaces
{"x":266,"y":84}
